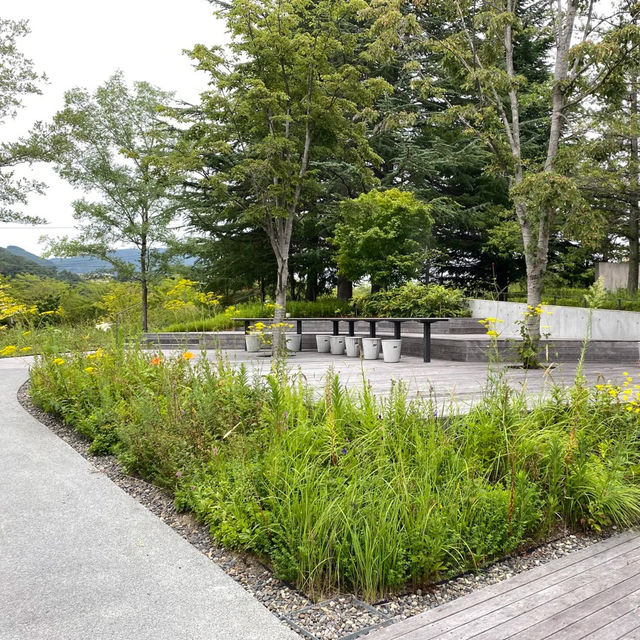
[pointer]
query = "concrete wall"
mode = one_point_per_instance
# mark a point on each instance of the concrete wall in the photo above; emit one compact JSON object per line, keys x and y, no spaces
{"x":614,"y":274}
{"x":564,"y":322}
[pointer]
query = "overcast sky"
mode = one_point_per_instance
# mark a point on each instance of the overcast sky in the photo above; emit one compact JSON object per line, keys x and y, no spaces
{"x":79,"y":43}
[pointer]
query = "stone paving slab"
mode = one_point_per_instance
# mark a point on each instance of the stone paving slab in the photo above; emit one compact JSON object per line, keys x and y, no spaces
{"x":80,"y":559}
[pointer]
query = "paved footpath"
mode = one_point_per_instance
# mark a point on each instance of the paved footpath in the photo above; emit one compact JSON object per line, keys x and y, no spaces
{"x":81,"y":559}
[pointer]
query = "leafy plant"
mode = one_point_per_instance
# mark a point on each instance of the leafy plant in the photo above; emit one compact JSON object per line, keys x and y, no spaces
{"x":349,"y":491}
{"x":416,"y":300}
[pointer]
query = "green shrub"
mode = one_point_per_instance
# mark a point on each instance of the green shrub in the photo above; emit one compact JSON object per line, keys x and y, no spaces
{"x":416,"y":300}
{"x":355,"y":492}
{"x":321,"y":308}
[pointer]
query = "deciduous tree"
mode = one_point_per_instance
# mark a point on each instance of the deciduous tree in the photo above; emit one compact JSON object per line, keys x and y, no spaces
{"x":295,"y":89}
{"x":107,"y":144}
{"x":383,"y":235}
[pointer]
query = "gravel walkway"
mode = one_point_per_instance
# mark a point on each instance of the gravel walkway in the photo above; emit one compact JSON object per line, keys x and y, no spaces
{"x":342,"y":617}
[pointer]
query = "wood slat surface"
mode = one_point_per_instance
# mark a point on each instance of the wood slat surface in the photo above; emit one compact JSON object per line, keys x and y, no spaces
{"x":444,"y":380}
{"x":593,"y":593}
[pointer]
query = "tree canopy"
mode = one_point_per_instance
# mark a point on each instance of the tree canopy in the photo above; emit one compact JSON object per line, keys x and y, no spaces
{"x":383,"y":235}
{"x":108,"y":144}
{"x":18,"y":79}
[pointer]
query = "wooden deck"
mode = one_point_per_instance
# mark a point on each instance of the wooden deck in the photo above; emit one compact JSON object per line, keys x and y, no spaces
{"x":593,"y":593}
{"x":448,"y":381}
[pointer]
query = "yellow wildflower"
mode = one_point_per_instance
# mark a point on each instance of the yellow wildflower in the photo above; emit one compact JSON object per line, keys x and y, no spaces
{"x":187,"y":355}
{"x":25,"y":349}
{"x":58,"y":361}
{"x":89,"y":369}
{"x":9,"y":350}
{"x":492,"y":333}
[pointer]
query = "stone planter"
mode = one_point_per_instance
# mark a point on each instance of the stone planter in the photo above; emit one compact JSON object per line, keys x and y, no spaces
{"x":391,"y":350}
{"x":323,"y":343}
{"x":337,"y":345}
{"x":253,"y":342}
{"x":293,"y":341}
{"x":352,"y":346}
{"x":371,"y":348}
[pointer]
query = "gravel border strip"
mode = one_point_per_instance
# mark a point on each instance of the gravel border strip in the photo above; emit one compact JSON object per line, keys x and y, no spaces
{"x":342,"y":617}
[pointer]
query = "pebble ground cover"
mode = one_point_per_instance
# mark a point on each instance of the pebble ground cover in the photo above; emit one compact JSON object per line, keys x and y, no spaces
{"x":354,"y":493}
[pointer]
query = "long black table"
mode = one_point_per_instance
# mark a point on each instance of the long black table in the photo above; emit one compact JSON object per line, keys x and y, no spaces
{"x":351,"y":322}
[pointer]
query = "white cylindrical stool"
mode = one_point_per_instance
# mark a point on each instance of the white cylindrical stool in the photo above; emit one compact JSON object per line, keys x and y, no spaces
{"x":323,"y":343}
{"x":391,"y":350}
{"x":371,"y":348}
{"x":337,"y":345}
{"x":293,"y":341}
{"x":253,"y":342}
{"x":352,"y":346}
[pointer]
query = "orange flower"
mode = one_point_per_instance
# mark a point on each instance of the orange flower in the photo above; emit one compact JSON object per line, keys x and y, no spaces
{"x":155,"y":360}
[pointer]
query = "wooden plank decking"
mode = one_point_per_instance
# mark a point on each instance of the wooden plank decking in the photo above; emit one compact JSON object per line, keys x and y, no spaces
{"x":447,"y":381}
{"x":593,"y":593}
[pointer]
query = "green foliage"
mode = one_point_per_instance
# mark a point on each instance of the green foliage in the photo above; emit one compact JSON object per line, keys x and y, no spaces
{"x":104,"y":143}
{"x":293,"y":90}
{"x":580,"y":297}
{"x":527,"y":347}
{"x":321,"y":308}
{"x":344,"y":492}
{"x":416,"y":300}
{"x":17,"y":80}
{"x":383,"y":235}
{"x":30,"y":338}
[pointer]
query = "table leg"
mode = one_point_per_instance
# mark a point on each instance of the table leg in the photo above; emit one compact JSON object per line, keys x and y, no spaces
{"x":372,"y":329}
{"x":246,"y":331}
{"x":427,"y":341}
{"x":298,"y":326}
{"x":352,"y":330}
{"x":336,"y":327}
{"x":396,"y":330}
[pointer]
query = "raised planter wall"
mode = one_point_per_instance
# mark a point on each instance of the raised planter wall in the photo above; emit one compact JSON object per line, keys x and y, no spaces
{"x":461,"y":348}
{"x":564,"y":322}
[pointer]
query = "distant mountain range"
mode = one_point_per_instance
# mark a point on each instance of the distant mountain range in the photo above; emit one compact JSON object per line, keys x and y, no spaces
{"x":27,"y":262}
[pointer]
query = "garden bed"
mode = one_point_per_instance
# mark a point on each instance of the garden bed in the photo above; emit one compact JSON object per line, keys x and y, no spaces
{"x":339,"y":618}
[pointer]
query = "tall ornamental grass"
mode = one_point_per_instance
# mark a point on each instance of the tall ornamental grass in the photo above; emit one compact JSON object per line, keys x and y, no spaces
{"x":353,"y":492}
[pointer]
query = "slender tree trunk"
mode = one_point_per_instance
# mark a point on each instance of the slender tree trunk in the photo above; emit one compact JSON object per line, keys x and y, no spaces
{"x":634,"y":210}
{"x":292,"y":283}
{"x":345,"y":288}
{"x":375,"y":287}
{"x":281,"y":301}
{"x":144,"y":289}
{"x":501,"y":279}
{"x":279,"y":232}
{"x":311,"y":292}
